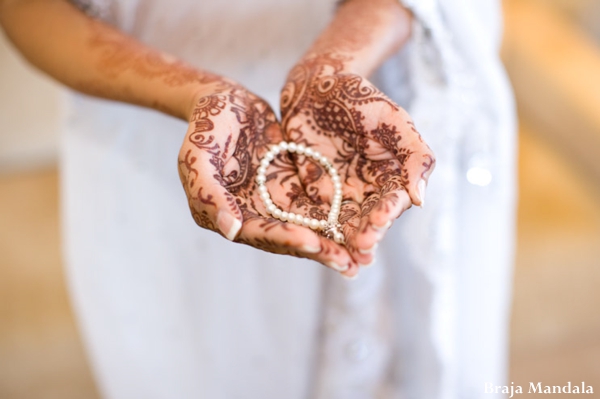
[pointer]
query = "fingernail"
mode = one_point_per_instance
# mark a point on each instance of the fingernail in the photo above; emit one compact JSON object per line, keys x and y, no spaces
{"x":421,"y":192}
{"x":368,"y":251}
{"x":310,"y":249}
{"x":384,"y":227}
{"x":228,"y":224}
{"x":368,"y":264}
{"x":337,"y":267}
{"x":350,"y":277}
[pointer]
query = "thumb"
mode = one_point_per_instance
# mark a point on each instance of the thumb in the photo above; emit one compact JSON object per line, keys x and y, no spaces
{"x":212,"y":206}
{"x":419,"y":166}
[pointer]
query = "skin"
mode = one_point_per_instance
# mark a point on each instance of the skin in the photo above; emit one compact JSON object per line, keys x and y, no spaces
{"x":230,"y":128}
{"x":328,"y":105}
{"x":218,"y":172}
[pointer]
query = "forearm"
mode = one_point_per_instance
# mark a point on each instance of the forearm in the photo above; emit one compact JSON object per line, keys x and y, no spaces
{"x":364,"y":33}
{"x":94,"y":58}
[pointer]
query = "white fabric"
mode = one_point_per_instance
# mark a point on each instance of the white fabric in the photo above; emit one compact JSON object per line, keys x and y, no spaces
{"x":169,"y":310}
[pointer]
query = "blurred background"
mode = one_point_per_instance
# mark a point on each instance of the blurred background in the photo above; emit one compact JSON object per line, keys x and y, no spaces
{"x":552,"y":53}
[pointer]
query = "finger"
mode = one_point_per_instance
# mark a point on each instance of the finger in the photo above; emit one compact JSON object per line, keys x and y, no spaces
{"x":418,"y":169}
{"x":388,"y":204}
{"x":348,"y":266}
{"x":300,"y":205}
{"x":350,"y":216}
{"x":417,"y":165}
{"x":279,"y":237}
{"x":363,"y":251}
{"x":212,"y":206}
{"x":352,"y":272}
{"x":378,"y":213}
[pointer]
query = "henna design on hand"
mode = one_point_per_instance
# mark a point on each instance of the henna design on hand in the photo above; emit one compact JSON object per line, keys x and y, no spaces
{"x":230,"y":130}
{"x":371,"y":140}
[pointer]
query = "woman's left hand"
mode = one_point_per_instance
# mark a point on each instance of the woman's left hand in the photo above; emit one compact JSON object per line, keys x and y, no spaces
{"x":383,"y":162}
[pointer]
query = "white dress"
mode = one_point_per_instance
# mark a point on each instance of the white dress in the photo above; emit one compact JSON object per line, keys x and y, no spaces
{"x":169,"y":310}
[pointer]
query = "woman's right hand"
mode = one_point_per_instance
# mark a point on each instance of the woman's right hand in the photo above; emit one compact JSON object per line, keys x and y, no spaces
{"x":230,"y":130}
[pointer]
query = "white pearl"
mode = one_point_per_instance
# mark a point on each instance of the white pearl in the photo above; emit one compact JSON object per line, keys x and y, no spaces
{"x":314,"y":224}
{"x":264,"y":196}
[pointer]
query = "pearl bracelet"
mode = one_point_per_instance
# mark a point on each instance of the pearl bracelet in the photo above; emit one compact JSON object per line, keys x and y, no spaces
{"x":330,"y":228}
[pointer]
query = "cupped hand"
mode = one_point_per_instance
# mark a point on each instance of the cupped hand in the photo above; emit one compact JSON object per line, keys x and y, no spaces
{"x":230,"y":130}
{"x":383,"y":162}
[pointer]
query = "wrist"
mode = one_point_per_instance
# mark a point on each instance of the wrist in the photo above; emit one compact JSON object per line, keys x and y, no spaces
{"x":365,"y":33}
{"x":210,"y":84}
{"x":191,"y":99}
